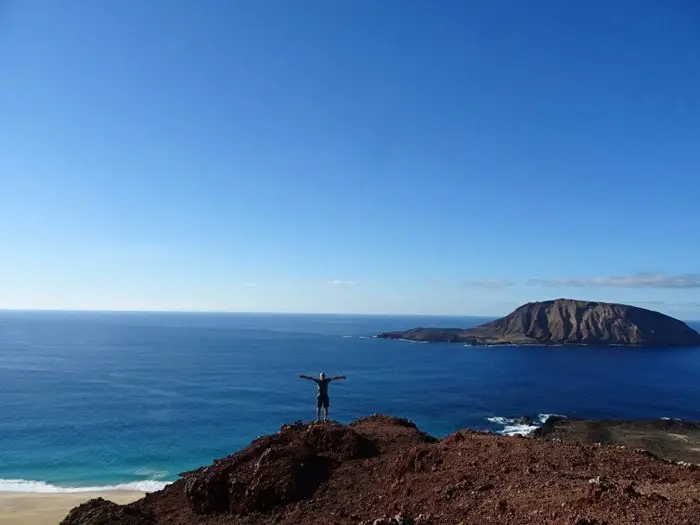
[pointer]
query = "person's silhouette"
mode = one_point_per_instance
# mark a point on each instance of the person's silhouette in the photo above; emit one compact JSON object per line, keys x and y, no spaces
{"x":322,"y":400}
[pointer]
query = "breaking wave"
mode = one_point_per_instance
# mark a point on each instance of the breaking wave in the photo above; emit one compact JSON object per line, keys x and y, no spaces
{"x":24,"y":485}
{"x":512,"y":428}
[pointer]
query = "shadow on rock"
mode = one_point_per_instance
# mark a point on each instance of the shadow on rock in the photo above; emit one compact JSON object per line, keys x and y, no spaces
{"x":276,"y":470}
{"x":99,"y":511}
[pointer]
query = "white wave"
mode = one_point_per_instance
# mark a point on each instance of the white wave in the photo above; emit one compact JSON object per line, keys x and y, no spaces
{"x":544,"y":417}
{"x":24,"y":485}
{"x":152,"y":474}
{"x":500,"y":420}
{"x":511,"y":428}
{"x":521,"y":430}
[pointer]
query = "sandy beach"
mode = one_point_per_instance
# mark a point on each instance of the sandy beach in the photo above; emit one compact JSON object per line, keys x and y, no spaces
{"x":23,"y":508}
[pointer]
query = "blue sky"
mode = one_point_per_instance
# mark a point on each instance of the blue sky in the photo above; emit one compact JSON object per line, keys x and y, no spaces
{"x":349,"y":156}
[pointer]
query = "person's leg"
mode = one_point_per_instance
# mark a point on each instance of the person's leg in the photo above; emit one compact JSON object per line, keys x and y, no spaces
{"x":326,"y":403}
{"x":318,"y":410}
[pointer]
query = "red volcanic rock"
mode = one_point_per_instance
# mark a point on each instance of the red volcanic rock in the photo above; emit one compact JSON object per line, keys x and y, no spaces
{"x":383,"y":470}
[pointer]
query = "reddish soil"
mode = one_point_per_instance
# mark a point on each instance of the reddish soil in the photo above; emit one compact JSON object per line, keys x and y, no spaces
{"x":382,"y":470}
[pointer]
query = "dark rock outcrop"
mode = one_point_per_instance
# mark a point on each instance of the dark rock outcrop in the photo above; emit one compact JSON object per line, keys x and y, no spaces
{"x":668,"y":439}
{"x":524,"y":420}
{"x":567,"y":322}
{"x":281,"y":475}
{"x":275,"y":470}
{"x":99,"y":511}
{"x":385,"y":470}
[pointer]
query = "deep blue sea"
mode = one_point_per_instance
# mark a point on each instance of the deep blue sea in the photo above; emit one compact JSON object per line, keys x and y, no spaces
{"x":132,"y":399}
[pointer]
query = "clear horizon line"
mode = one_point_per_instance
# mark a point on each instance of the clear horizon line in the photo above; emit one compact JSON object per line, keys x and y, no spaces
{"x":242,"y":312}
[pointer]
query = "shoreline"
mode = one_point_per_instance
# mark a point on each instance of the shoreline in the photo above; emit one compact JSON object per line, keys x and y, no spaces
{"x":36,"y":508}
{"x":381,"y":466}
{"x":670,"y":440}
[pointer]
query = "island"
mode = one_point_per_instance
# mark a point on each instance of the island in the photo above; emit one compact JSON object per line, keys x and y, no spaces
{"x":566,"y":322}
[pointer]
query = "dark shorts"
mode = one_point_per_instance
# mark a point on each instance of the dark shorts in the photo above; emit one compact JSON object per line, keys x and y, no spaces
{"x":322,"y":401}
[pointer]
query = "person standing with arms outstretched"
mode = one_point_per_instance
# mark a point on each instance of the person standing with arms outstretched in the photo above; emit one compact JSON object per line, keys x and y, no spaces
{"x":322,"y":401}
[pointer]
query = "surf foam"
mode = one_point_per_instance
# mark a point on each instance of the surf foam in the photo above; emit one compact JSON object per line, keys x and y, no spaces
{"x":511,"y":428}
{"x":518,"y":430}
{"x":42,"y":487}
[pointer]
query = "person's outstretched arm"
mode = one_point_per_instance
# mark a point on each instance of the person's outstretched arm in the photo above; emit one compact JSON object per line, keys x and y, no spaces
{"x":337,"y":377}
{"x":303,"y":376}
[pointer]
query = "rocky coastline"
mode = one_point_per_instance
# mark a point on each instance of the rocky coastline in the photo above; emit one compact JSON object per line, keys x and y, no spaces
{"x":382,"y":470}
{"x":669,"y":439}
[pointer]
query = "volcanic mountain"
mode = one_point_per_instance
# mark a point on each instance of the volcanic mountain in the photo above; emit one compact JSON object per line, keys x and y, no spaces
{"x":566,"y":322}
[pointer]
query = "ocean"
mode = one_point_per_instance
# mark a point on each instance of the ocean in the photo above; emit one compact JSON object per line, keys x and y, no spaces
{"x":129,"y":400}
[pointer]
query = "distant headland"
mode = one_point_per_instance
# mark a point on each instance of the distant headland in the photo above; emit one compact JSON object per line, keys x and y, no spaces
{"x":566,"y":322}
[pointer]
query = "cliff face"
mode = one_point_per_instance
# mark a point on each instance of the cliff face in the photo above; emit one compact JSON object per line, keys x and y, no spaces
{"x":567,"y":321}
{"x":384,"y":471}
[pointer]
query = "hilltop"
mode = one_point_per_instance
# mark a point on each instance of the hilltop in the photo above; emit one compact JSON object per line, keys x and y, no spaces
{"x":384,"y":471}
{"x":567,"y":322}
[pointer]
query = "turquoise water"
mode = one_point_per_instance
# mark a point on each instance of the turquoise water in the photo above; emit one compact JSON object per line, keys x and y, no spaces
{"x":132,"y":399}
